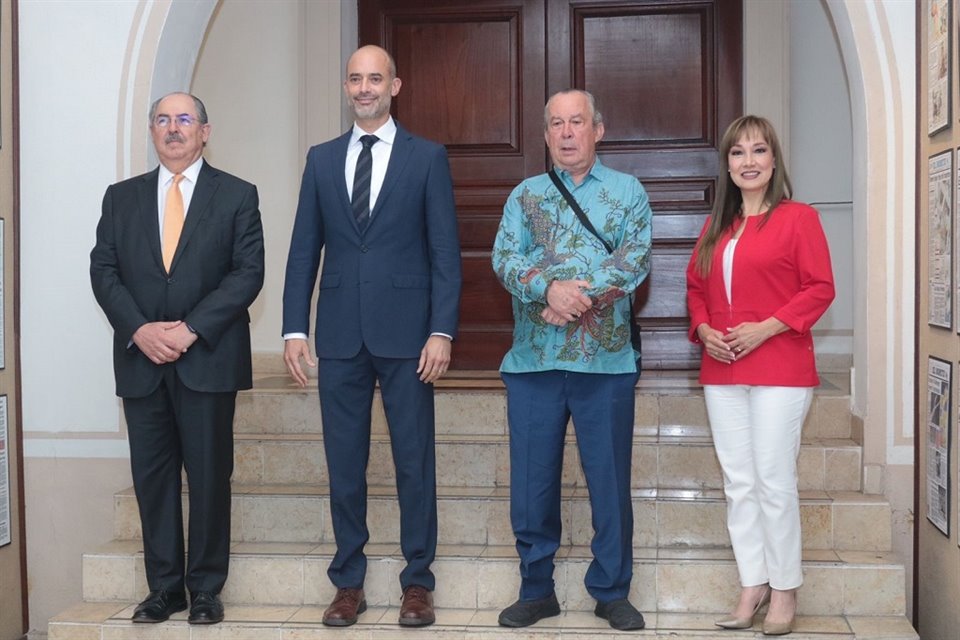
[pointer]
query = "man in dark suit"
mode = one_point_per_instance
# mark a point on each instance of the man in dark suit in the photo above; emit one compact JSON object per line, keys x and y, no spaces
{"x":379,"y":201}
{"x":178,"y":260}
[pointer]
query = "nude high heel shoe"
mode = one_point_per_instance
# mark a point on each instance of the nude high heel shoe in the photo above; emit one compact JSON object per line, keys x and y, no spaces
{"x":777,"y":628}
{"x":780,"y":628}
{"x":745,"y":623}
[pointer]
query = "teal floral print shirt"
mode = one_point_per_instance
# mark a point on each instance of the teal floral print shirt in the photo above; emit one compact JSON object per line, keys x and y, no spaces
{"x":541,"y":240}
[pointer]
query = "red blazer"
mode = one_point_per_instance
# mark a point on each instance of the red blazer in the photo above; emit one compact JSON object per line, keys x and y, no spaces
{"x":781,"y":268}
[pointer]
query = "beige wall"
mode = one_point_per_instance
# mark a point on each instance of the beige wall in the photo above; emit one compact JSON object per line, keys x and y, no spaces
{"x":69,"y":512}
{"x":11,"y":615}
{"x":289,"y":99}
{"x":939,"y":555}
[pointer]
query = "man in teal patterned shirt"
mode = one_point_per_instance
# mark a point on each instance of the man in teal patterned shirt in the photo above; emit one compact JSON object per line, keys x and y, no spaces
{"x":572,"y":356}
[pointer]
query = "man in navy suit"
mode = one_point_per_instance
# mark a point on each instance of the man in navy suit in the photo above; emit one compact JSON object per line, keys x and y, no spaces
{"x":379,"y":202}
{"x":178,"y":259}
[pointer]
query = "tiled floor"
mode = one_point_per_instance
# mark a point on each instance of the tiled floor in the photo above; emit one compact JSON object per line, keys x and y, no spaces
{"x":303,"y":623}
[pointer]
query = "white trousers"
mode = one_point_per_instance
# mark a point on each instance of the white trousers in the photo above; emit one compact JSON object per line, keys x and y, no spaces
{"x":756,"y":432}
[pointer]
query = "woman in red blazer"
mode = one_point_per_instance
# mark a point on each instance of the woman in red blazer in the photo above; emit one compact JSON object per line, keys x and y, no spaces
{"x":758,"y":280}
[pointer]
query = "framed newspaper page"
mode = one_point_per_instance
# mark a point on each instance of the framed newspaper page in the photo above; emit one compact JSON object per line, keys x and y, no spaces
{"x":939,"y":46}
{"x":940,"y":240}
{"x":939,"y":410}
{"x":5,"y":518}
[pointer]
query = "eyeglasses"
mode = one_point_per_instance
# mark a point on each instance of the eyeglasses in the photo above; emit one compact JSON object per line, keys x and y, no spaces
{"x":184,"y":120}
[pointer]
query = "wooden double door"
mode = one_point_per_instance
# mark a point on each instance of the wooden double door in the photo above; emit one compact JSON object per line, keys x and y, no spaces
{"x":476,"y":75}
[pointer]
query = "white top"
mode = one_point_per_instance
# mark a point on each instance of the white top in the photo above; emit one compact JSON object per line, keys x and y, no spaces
{"x":728,"y":268}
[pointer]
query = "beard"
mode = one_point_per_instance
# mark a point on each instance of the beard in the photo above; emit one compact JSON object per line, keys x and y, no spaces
{"x":372,"y":111}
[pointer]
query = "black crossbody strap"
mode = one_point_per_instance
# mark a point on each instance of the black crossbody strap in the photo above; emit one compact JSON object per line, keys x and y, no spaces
{"x":581,"y":216}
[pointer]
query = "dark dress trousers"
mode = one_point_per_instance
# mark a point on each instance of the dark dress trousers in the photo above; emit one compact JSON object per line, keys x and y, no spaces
{"x":180,"y":415}
{"x":383,"y":291}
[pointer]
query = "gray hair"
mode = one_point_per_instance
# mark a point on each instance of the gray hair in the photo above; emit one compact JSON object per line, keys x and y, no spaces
{"x":197,"y":104}
{"x":591,"y":100}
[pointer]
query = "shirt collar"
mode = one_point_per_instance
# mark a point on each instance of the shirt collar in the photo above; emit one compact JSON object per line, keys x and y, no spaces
{"x":190,"y":173}
{"x":597,"y":171}
{"x":387,"y":132}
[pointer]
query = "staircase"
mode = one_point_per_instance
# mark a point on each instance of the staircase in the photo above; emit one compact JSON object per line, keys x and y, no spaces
{"x":684,"y":573}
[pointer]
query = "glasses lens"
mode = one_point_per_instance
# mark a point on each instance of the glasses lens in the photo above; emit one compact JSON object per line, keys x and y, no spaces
{"x":182,"y":120}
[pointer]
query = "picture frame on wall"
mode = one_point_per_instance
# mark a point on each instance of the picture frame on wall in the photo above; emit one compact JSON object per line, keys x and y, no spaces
{"x":3,"y":277}
{"x":940,"y":240}
{"x":939,"y":63}
{"x":6,"y":519}
{"x":939,"y":423}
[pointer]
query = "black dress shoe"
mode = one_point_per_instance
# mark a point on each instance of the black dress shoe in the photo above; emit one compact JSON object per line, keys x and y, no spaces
{"x":205,"y":608}
{"x":159,"y":605}
{"x":524,"y":613}
{"x":620,"y":614}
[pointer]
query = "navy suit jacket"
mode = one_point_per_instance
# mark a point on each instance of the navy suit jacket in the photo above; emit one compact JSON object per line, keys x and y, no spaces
{"x":217,"y":272}
{"x":392,"y":285}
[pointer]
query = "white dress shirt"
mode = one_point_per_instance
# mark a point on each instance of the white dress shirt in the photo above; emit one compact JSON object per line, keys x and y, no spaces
{"x":380,"y":152}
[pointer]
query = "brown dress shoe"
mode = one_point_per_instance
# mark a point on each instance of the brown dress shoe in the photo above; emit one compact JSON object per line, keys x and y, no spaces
{"x":416,"y":609}
{"x":346,"y":605}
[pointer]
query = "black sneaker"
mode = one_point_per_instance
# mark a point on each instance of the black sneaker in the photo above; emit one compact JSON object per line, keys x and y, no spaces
{"x":621,"y":615}
{"x":524,"y":613}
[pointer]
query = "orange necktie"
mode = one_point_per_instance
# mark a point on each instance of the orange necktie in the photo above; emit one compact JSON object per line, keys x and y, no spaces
{"x":172,"y":221}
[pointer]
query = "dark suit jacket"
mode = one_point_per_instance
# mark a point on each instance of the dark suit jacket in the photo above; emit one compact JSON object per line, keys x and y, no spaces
{"x":216,"y":274}
{"x":391,"y":286}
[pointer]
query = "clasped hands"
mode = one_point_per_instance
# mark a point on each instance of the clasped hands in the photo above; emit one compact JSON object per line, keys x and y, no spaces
{"x":739,"y":341}
{"x":566,"y":301}
{"x":164,"y":342}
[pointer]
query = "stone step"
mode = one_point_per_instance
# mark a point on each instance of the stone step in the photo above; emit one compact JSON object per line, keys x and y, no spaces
{"x":666,"y":579}
{"x":660,"y":411}
{"x":96,"y":621}
{"x":831,"y":520}
{"x":484,"y":461}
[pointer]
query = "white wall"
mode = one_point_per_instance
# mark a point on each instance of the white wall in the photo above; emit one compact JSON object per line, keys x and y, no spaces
{"x":69,"y":109}
{"x":820,"y":155}
{"x":86,"y":76}
{"x":72,"y":57}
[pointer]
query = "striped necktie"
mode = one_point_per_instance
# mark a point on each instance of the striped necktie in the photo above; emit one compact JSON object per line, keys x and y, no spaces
{"x":360,"y":201}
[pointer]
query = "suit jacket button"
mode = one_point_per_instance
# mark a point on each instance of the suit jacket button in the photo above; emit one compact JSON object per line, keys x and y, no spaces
{"x":363,"y":248}
{"x":170,"y":280}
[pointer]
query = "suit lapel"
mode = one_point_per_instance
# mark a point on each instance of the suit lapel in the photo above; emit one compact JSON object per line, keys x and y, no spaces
{"x":199,"y":206}
{"x":399,"y":156}
{"x":336,"y":173}
{"x":149,"y":214}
